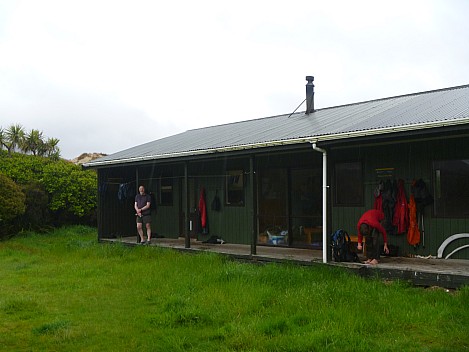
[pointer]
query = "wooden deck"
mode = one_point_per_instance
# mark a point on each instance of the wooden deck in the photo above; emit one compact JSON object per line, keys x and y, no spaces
{"x":448,"y":273}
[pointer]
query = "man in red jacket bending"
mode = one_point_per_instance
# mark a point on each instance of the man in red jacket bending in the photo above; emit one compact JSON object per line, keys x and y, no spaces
{"x":370,"y":227}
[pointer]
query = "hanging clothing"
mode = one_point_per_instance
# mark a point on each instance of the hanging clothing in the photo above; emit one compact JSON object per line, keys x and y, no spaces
{"x":126,"y":191}
{"x":413,"y":235}
{"x":401,"y":209}
{"x":378,"y":204}
{"x":389,"y":201}
{"x":203,"y":209}
{"x":216,"y":203}
{"x":422,"y":195}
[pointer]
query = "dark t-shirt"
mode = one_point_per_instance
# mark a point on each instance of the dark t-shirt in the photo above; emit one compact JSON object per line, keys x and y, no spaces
{"x":141,"y":201}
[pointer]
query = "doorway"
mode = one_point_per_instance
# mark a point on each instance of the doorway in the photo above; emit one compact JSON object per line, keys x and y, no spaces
{"x":290,"y":207}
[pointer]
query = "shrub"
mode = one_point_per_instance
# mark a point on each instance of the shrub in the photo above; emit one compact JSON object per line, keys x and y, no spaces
{"x":22,"y":168}
{"x":71,"y":189}
{"x":57,"y":192}
{"x":36,"y":216}
{"x":12,"y":199}
{"x":12,"y":204}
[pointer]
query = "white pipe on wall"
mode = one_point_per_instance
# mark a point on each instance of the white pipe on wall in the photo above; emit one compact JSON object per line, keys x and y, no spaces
{"x":324,"y":201}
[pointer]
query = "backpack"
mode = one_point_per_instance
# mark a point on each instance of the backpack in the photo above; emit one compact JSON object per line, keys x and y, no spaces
{"x":341,"y":247}
{"x":421,"y":194}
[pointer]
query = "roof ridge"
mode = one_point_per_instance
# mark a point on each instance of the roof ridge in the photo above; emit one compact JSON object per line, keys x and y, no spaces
{"x":393,"y":97}
{"x":336,"y":106}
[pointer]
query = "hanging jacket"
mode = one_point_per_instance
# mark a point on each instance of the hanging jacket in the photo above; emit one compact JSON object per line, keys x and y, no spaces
{"x":413,"y":235}
{"x":401,"y":209}
{"x":373,"y":219}
{"x":378,"y":204}
{"x":203,"y":208}
{"x":389,"y":201}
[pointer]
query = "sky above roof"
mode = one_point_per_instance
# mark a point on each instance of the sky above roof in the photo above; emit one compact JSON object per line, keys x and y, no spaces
{"x":103,"y":76}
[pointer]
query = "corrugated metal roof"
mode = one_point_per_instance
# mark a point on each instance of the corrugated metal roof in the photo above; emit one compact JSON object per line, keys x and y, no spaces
{"x":444,"y":107}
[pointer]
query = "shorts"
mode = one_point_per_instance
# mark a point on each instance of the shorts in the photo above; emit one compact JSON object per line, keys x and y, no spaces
{"x":145,"y":219}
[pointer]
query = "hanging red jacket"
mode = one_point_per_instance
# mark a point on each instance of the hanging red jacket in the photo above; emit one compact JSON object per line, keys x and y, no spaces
{"x":378,"y":204}
{"x":413,"y":235}
{"x":203,"y":208}
{"x":401,"y":209}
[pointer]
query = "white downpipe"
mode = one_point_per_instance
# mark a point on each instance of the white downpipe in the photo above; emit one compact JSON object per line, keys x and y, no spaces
{"x":324,"y":201}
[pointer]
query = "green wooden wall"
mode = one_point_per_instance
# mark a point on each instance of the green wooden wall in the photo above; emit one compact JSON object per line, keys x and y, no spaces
{"x":410,"y":161}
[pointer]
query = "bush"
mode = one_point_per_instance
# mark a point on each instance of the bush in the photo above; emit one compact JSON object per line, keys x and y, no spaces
{"x":57,"y":192}
{"x":12,"y":204}
{"x":71,"y":188}
{"x":36,"y":216}
{"x":12,"y":199}
{"x":22,"y":168}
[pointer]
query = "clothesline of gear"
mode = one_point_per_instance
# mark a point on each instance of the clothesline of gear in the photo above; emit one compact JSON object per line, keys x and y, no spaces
{"x":402,"y":215}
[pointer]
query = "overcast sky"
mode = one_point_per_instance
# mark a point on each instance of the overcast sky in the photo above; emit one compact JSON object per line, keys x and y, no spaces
{"x":103,"y":76}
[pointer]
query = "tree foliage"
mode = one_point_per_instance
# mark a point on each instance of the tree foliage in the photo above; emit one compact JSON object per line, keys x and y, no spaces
{"x":23,"y":168}
{"x":12,"y":199}
{"x":71,"y":189}
{"x":37,"y":214}
{"x":51,"y":191}
{"x":15,"y":138}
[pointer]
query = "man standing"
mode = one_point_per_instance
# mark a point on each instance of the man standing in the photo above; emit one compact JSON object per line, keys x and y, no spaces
{"x":370,"y":226}
{"x":142,"y":207}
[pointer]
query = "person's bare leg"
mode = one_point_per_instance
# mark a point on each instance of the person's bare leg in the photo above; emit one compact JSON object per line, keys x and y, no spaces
{"x":148,"y":225}
{"x":374,"y":262}
{"x":140,"y":232}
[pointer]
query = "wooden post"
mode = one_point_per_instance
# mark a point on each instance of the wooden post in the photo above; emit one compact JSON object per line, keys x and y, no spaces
{"x":252,"y":183}
{"x":187,"y":239}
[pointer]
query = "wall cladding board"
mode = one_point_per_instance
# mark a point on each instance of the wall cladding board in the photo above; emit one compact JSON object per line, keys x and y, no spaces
{"x":407,"y":161}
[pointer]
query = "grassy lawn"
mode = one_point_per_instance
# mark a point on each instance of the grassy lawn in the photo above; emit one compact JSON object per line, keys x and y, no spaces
{"x":63,"y":291}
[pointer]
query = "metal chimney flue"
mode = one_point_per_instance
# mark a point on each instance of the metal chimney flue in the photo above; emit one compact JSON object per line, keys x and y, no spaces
{"x":309,"y":95}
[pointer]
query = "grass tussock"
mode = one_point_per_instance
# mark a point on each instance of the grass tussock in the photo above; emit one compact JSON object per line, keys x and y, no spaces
{"x":63,"y":291}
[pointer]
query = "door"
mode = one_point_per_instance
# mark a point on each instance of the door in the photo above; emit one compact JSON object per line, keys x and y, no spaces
{"x":306,"y":208}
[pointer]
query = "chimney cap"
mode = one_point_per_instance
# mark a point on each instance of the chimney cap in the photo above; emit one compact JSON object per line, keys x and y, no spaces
{"x":310,"y":79}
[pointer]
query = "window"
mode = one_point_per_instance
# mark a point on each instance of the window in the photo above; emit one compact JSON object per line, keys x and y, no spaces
{"x":234,"y":189}
{"x":451,"y":179}
{"x":348,"y":184}
{"x":166,"y":191}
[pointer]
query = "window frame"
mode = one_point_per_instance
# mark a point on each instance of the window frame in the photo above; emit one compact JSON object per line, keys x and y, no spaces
{"x":451,"y":188}
{"x":235,"y":187}
{"x":356,"y":186}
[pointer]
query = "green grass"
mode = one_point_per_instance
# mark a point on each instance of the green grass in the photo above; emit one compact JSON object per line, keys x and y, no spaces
{"x":63,"y":291}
